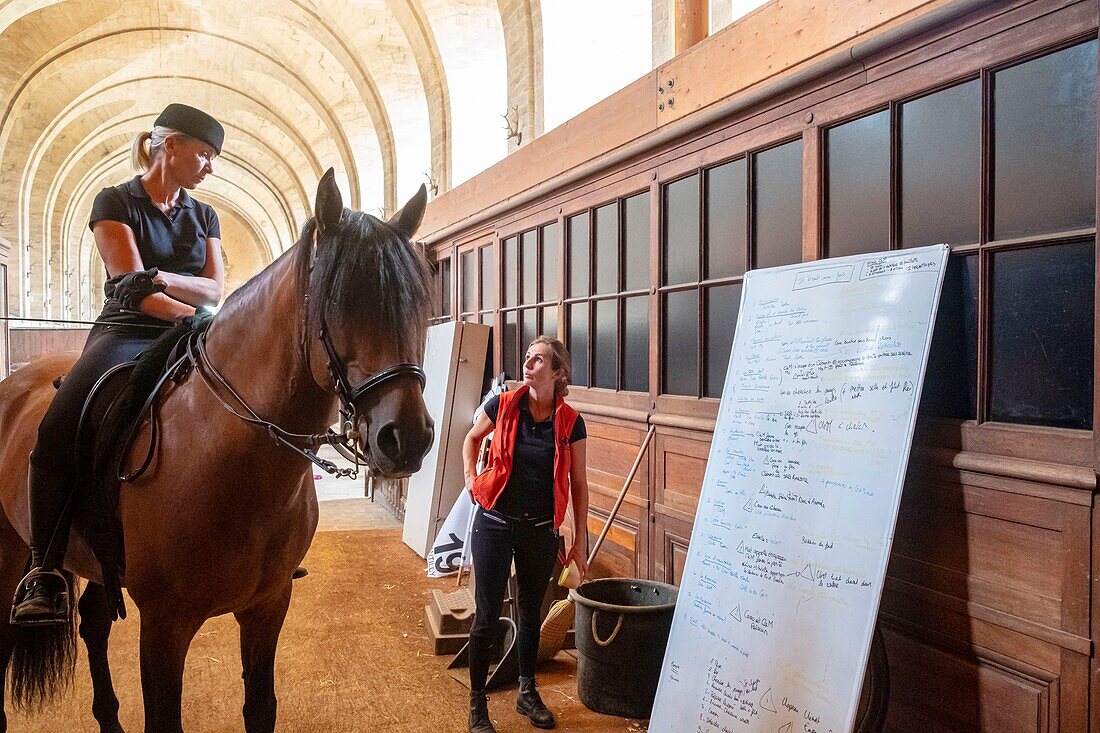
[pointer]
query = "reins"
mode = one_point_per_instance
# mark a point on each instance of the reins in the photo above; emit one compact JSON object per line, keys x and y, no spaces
{"x":301,"y":443}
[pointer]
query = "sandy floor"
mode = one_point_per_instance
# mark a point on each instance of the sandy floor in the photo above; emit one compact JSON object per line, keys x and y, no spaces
{"x":354,"y":654}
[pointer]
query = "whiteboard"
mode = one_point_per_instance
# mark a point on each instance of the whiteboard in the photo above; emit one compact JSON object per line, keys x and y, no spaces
{"x":783,"y":577}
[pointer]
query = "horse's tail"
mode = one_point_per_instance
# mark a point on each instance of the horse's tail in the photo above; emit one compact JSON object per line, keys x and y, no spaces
{"x":43,"y":658}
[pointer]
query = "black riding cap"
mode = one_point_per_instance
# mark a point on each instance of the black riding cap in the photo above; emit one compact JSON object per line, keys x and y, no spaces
{"x":193,"y":122}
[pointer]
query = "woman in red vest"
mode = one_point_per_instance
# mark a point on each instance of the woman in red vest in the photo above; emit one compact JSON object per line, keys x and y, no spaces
{"x":536,"y":471}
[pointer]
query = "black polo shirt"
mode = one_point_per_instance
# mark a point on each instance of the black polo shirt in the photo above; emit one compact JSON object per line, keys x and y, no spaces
{"x":530,"y":488}
{"x":174,"y":242}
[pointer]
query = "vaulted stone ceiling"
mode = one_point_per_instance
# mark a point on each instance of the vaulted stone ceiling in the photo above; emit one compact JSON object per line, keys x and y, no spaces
{"x":391,"y":93}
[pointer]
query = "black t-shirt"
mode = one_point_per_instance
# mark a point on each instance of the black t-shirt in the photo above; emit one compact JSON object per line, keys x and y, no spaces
{"x":530,"y":488}
{"x":173,"y":242}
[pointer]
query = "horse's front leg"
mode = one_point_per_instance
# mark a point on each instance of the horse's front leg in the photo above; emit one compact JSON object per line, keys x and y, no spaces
{"x":95,"y":630}
{"x":165,"y":637}
{"x":260,"y":627}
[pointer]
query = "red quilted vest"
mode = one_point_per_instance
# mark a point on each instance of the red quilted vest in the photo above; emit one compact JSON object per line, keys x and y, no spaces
{"x":489,"y":484}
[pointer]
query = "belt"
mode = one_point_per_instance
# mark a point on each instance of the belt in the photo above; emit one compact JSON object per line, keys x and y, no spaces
{"x":506,"y":519}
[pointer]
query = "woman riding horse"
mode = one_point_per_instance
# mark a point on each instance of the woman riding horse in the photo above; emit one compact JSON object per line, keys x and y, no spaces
{"x":227,"y":507}
{"x":162,"y":250}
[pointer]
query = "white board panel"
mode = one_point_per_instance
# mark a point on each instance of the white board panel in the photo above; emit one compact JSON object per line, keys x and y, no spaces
{"x":792,"y":536}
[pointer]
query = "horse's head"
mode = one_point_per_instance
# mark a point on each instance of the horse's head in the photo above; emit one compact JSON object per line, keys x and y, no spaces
{"x":368,"y":300}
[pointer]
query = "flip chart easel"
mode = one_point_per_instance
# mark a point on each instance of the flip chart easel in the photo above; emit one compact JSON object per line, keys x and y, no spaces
{"x":792,"y":536}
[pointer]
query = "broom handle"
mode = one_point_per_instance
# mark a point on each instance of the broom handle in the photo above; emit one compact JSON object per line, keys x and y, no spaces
{"x":622,"y":495}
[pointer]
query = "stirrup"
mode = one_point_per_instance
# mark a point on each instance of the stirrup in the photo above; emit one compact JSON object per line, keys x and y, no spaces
{"x":23,"y":594}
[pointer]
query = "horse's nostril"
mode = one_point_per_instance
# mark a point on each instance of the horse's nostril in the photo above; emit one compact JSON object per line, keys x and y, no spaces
{"x":389,"y":441}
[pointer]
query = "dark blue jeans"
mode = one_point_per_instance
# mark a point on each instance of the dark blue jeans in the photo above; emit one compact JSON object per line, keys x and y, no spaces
{"x":495,"y":542}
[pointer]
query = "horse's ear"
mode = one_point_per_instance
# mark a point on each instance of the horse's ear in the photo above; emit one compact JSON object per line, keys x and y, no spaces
{"x":329,"y":205}
{"x":411,"y":214}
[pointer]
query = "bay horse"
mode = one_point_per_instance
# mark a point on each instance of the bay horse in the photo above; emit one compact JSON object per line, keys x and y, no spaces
{"x":224,"y":514}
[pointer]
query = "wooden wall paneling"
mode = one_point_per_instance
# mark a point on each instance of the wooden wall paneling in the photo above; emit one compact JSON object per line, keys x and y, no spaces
{"x":993,"y":548}
{"x":1051,"y":446}
{"x":1074,"y":562}
{"x":681,"y":465}
{"x":670,"y":549}
{"x":933,"y":689}
{"x":612,"y":447}
{"x":1073,"y":688}
{"x":1094,"y":619}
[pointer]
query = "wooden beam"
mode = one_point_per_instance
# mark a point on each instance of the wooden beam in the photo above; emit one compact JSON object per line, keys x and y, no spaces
{"x":690,"y":23}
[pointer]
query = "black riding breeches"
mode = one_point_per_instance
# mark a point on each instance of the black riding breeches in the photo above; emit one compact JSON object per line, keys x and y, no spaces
{"x":495,"y":541}
{"x":53,"y":460}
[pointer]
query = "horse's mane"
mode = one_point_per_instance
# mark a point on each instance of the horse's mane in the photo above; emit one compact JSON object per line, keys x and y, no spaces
{"x":365,"y":275}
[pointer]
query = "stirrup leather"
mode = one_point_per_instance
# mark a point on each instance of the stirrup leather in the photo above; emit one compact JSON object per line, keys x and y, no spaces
{"x":23,"y":591}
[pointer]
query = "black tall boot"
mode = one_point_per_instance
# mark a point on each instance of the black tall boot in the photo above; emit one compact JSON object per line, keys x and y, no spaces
{"x":43,"y":596}
{"x":479,"y":713}
{"x":530,"y":704}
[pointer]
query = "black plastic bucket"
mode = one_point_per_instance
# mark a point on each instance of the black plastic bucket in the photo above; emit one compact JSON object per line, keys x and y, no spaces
{"x":622,"y":630}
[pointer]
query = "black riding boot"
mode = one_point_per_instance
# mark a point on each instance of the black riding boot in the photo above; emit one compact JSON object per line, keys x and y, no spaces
{"x":479,"y":713}
{"x":530,"y":704}
{"x":43,"y":596}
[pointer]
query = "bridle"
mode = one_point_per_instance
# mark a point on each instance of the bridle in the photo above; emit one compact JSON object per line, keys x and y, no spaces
{"x":349,"y":395}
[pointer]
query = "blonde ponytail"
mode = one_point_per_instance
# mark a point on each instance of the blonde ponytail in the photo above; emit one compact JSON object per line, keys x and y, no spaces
{"x":149,"y":144}
{"x":141,"y":157}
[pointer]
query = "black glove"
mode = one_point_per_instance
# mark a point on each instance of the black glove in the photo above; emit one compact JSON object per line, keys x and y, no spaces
{"x":199,"y":321}
{"x":131,"y":288}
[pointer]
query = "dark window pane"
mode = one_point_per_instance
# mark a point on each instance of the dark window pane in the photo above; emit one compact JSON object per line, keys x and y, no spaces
{"x":578,"y":255}
{"x":488,"y":279}
{"x":509,"y":351}
{"x":607,"y":248}
{"x":723,"y":304}
{"x":951,"y":382}
{"x":777,"y":206}
{"x":529,"y":330}
{"x":682,"y":231}
{"x":941,"y":149}
{"x":437,"y":288}
{"x":578,"y":342}
{"x":637,"y":241}
{"x":445,"y":284}
{"x":605,"y":362}
{"x":727,"y":232}
{"x":636,"y":345}
{"x":468,"y":266}
{"x":529,"y":264}
{"x":681,"y":364}
{"x":858,"y":184}
{"x":550,"y":262}
{"x":1044,"y":118}
{"x":511,"y":268}
{"x":550,"y":321}
{"x":1042,"y":336}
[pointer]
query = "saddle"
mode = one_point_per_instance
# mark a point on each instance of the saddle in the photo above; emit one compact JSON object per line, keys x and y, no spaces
{"x":120,"y":403}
